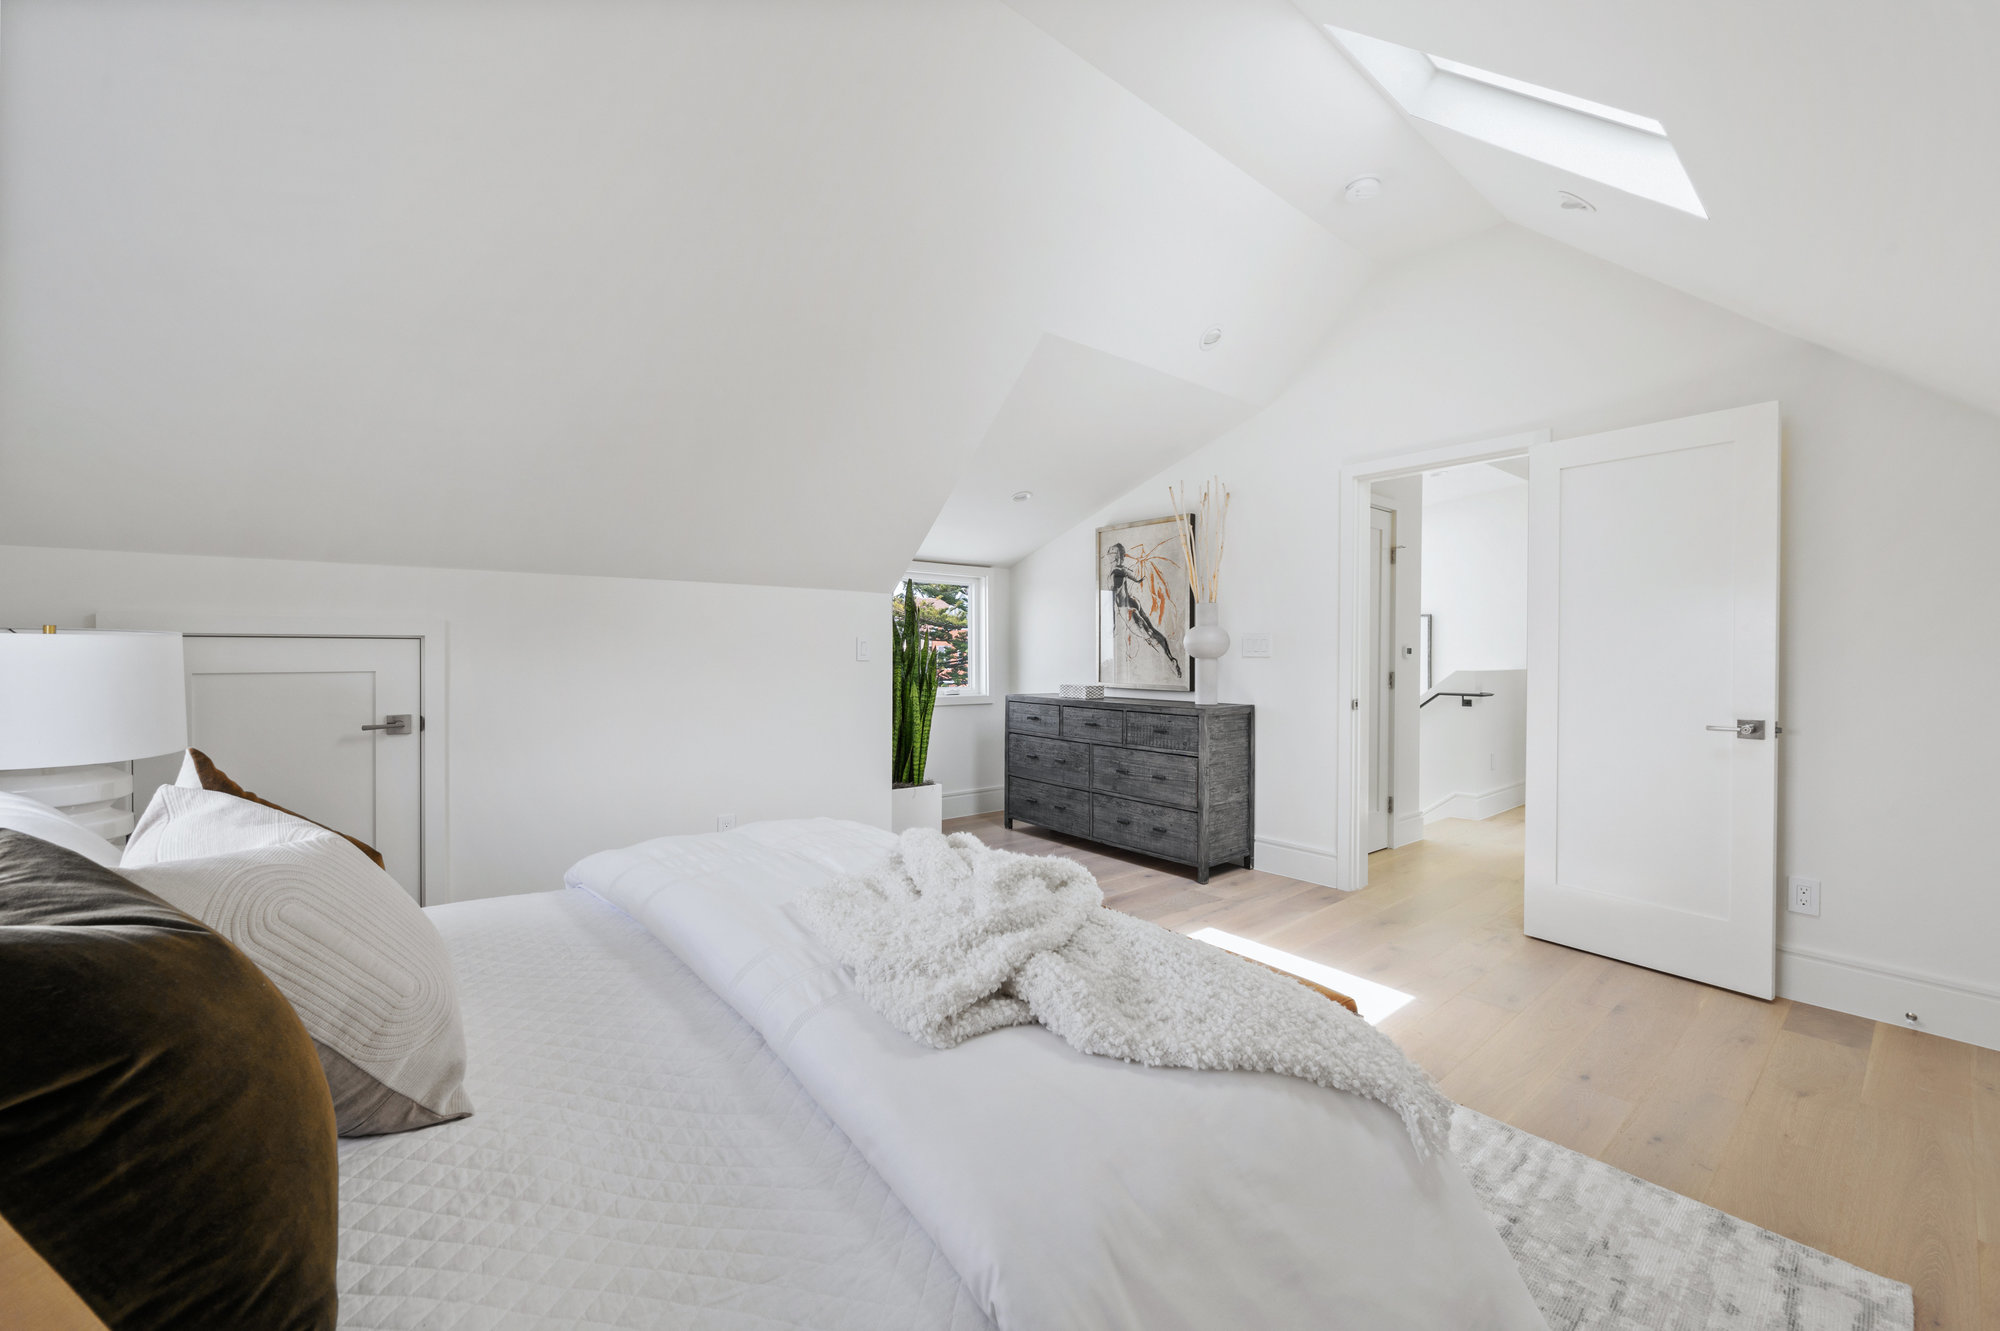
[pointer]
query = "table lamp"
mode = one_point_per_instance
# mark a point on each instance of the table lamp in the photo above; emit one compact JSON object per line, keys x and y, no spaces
{"x":75,"y":702}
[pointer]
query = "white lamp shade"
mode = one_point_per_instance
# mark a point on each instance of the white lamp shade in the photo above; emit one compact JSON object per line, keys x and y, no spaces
{"x":90,"y":697}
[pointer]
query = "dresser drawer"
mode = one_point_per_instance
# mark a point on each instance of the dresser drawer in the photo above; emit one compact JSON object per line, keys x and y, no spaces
{"x":1162,"y":730}
{"x":1054,"y":760}
{"x":1034,"y":718}
{"x":1100,"y":725}
{"x":1055,"y":807}
{"x":1167,"y":833}
{"x":1159,"y":778}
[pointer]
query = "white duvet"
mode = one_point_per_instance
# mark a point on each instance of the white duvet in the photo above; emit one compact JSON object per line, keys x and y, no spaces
{"x":1069,"y":1190}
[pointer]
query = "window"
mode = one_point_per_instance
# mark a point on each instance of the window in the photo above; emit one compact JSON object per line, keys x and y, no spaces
{"x":951,"y":616}
{"x":1628,"y":152}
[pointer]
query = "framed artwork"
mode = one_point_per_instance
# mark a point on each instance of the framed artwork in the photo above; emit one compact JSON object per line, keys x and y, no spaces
{"x":1144,"y":607}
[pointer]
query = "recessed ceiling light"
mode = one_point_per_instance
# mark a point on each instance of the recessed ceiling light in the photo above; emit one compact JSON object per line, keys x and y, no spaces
{"x":1210,"y":338}
{"x":1574,"y":203}
{"x":1362,"y":188}
{"x":1023,"y":496}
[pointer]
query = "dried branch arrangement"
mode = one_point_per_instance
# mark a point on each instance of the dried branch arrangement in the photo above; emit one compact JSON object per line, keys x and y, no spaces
{"x":1204,"y":544}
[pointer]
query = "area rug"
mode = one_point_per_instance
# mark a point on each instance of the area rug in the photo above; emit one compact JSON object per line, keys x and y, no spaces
{"x":1603,"y":1250}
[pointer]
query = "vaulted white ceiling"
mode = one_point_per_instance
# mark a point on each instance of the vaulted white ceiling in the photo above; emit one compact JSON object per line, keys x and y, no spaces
{"x":1843,"y":151}
{"x":766,"y":292}
{"x":697,"y":290}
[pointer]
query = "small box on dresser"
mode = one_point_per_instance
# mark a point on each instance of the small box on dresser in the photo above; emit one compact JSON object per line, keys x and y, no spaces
{"x":1170,"y":779}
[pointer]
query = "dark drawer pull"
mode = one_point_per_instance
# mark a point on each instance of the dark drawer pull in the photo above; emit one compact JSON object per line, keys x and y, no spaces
{"x":1159,"y":730}
{"x":1158,"y":777}
{"x":1034,"y":757}
{"x":1124,"y":822}
{"x":1122,"y":771}
{"x":1092,"y":725}
{"x":1031,"y":801}
{"x":1161,"y":830}
{"x":1060,"y":808}
{"x":1062,"y":762}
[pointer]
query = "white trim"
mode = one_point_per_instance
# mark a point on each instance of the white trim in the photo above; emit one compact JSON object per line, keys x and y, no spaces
{"x":1354,"y":500}
{"x":1955,"y":1009}
{"x":433,"y":671}
{"x":1485,"y":804}
{"x":967,"y":803}
{"x":976,"y":578}
{"x":1292,"y":859}
{"x":1404,"y":829}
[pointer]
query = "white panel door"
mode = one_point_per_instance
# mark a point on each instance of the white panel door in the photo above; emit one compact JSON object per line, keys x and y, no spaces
{"x":284,"y":717}
{"x":1381,"y":662}
{"x":1653,"y":631}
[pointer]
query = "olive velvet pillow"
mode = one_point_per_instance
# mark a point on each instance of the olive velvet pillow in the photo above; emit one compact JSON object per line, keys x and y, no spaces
{"x":166,"y":1135}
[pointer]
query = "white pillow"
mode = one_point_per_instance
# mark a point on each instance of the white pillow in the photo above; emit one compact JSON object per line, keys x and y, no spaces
{"x":18,"y":813}
{"x":186,"y":823}
{"x":363,"y":966}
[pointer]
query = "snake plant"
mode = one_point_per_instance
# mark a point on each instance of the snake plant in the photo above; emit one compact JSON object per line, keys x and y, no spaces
{"x":914,"y":685}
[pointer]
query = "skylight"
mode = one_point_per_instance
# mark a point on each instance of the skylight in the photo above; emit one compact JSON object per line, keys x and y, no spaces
{"x":1587,"y":139}
{"x":1549,"y":95}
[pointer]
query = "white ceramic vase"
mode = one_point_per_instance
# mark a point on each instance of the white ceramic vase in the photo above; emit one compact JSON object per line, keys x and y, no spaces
{"x":1206,"y":642}
{"x":916,"y":806}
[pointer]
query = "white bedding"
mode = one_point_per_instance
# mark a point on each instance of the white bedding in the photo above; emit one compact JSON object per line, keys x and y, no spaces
{"x":638,"y":1159}
{"x":1072,"y":1191}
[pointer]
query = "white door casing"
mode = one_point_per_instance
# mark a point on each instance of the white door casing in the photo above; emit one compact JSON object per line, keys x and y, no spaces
{"x":1381,"y":658}
{"x":283,"y":716}
{"x":1653,"y":630}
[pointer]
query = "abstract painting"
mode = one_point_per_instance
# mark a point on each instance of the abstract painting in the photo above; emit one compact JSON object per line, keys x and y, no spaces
{"x":1143,"y":607}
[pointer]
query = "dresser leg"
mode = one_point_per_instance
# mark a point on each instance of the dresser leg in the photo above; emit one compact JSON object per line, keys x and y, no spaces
{"x":1008,"y":822}
{"x":1249,"y":861}
{"x":1201,"y":873}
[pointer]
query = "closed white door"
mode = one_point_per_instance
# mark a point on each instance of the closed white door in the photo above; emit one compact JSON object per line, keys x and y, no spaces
{"x":1652,"y":696}
{"x":1381,"y":679}
{"x":291,"y":718}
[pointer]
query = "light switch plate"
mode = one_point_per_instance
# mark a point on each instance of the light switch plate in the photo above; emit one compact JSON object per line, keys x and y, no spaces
{"x":1802,"y":896}
{"x":1256,"y":644}
{"x":861,"y":649}
{"x":725,"y":822}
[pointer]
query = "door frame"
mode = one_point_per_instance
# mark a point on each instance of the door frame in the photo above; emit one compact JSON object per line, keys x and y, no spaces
{"x":1351,"y":611}
{"x":433,"y":736}
{"x":1381,"y":739}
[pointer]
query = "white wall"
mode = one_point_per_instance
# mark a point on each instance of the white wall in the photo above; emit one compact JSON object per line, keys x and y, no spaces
{"x":968,"y":739}
{"x":1889,"y":549}
{"x":1476,"y":580}
{"x":584,"y":712}
{"x":1475,"y":758}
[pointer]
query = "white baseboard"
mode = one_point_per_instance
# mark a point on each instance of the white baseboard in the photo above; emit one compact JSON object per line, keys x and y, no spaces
{"x":1483,"y":805}
{"x":1405,"y":828}
{"x":1308,"y":864}
{"x":1955,"y":1009}
{"x":966,"y":803}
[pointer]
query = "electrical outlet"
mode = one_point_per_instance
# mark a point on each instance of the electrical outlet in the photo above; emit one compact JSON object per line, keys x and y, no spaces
{"x":725,"y":822}
{"x":1802,"y":896}
{"x":1256,"y":644}
{"x":861,"y":649}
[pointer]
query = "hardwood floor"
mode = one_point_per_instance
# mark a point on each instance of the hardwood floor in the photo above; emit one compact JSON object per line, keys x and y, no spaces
{"x":1874,"y":1143}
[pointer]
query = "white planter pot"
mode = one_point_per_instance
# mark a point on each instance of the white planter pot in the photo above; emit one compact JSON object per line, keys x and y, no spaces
{"x":916,"y":806}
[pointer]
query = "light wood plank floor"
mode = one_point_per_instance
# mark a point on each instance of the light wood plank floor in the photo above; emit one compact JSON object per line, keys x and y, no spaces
{"x":1877,"y":1144}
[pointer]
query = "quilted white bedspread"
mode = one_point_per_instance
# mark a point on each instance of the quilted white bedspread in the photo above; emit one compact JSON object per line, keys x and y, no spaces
{"x":638,"y":1158}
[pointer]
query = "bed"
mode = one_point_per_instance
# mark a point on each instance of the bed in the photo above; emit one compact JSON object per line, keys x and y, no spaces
{"x":687,"y":1118}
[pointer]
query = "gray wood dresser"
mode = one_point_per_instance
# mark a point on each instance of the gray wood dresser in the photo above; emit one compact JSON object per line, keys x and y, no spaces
{"x":1171,"y":779}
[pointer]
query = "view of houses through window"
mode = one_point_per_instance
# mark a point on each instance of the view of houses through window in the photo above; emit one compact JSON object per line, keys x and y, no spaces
{"x":946,"y":616}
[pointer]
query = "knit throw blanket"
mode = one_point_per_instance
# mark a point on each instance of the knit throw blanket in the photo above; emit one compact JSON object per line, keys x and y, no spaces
{"x":952,"y":939}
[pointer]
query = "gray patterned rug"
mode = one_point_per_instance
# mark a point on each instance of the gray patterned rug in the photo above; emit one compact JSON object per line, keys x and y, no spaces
{"x":1605,"y":1251}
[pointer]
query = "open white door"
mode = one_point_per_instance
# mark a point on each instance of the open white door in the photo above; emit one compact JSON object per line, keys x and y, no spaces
{"x":1381,"y":678}
{"x":1653,"y":636}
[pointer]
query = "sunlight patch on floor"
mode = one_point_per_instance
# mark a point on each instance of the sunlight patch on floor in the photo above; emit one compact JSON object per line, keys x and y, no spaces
{"x":1376,"y":1001}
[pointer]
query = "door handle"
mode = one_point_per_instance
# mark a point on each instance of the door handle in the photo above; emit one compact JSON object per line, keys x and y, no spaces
{"x":398,"y":723}
{"x":1742,"y":729}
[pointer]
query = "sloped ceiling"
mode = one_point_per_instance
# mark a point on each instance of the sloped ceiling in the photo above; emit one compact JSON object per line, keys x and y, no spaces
{"x":1077,"y":427}
{"x":701,"y":290}
{"x":1843,"y":152}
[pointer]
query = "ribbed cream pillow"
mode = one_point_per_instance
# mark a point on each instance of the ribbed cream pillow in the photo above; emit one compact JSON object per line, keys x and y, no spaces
{"x":363,"y":967}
